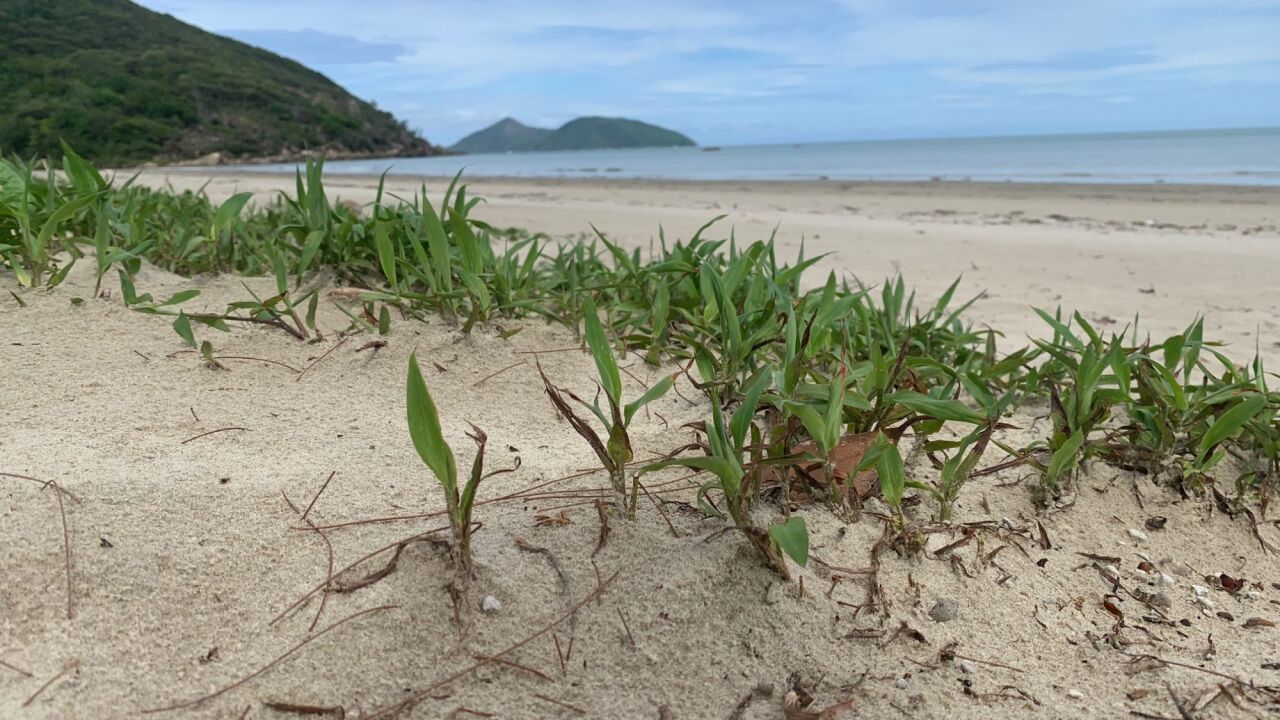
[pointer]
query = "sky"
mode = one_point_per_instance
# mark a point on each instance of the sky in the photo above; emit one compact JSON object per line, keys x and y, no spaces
{"x":730,"y":72}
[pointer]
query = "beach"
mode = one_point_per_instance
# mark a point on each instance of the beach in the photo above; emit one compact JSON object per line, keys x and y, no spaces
{"x":179,"y":566}
{"x":1166,"y":253}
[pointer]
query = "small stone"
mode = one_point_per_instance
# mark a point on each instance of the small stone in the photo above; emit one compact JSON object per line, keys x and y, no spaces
{"x":490,"y":604}
{"x":1137,"y":534}
{"x":1167,"y":580}
{"x":944,"y":610}
{"x":1199,"y":590}
{"x":1075,"y":694}
{"x":968,"y":667}
{"x":902,"y":683}
{"x":1253,"y":595}
{"x":1204,"y":602}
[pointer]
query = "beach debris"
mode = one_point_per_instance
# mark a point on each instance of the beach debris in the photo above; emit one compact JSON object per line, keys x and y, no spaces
{"x":490,"y":604}
{"x":1075,"y":694}
{"x":944,"y":610}
{"x":1137,"y":534}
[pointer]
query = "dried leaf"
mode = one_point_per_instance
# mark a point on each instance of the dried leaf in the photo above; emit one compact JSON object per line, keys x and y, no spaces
{"x":560,"y":519}
{"x":1257,"y":622}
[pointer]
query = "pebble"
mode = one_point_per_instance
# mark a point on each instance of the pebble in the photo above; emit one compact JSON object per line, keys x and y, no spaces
{"x":902,"y":683}
{"x":968,"y":667}
{"x":944,"y":610}
{"x":490,"y":604}
{"x":1199,"y":590}
{"x":1253,"y":595}
{"x":1075,"y":694}
{"x":1167,"y":580}
{"x":1137,"y":534}
{"x":1204,"y":602}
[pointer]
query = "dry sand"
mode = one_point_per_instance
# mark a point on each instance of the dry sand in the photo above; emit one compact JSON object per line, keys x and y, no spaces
{"x":183,"y":550}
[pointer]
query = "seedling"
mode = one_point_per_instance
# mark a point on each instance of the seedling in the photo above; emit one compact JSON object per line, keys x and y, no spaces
{"x":428,"y":440}
{"x":615,"y":452}
{"x":789,"y":538}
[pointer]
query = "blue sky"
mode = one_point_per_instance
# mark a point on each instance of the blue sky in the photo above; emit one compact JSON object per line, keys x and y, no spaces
{"x":744,"y":71}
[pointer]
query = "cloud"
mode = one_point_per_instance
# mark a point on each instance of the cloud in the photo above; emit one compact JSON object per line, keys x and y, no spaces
{"x":759,"y":70}
{"x":312,"y":47}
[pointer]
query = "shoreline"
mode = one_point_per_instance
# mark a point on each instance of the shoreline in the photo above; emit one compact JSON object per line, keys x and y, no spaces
{"x":246,"y":169}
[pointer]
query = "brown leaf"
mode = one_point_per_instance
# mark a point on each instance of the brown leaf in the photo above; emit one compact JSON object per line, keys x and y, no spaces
{"x":1044,"y":537}
{"x":845,"y":457}
{"x":1257,"y":622}
{"x":1137,"y":694}
{"x":560,"y":519}
{"x":1231,"y":584}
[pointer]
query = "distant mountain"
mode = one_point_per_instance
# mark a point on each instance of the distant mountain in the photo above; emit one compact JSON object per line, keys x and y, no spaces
{"x":122,"y":85}
{"x":585,"y":133}
{"x":506,"y":135}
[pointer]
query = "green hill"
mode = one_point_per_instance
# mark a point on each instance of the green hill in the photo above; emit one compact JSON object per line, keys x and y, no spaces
{"x":506,"y":135}
{"x":599,"y":133}
{"x":122,"y":85}
{"x":586,"y":133}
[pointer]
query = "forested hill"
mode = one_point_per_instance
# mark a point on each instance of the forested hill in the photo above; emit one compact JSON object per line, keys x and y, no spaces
{"x":123,"y":85}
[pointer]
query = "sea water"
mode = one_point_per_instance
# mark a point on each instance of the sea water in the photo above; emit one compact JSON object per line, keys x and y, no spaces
{"x":1241,"y":156}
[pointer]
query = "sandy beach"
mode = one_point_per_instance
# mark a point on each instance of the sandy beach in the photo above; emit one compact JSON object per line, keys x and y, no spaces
{"x":188,"y":582}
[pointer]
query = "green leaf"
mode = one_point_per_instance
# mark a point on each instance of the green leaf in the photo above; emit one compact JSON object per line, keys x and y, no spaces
{"x":658,"y":389}
{"x":606,"y":365}
{"x":228,"y":211}
{"x":1065,"y":457}
{"x":793,"y":537}
{"x":309,"y":250}
{"x":386,"y":255}
{"x":1230,"y":421}
{"x":893,"y":477}
{"x":182,"y":326}
{"x":950,"y":410}
{"x":424,"y":429}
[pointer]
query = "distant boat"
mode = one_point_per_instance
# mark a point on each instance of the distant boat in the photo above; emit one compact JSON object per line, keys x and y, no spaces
{"x":711,"y":149}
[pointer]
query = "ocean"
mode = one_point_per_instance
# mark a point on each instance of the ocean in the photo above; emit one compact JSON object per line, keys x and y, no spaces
{"x":1218,"y":157}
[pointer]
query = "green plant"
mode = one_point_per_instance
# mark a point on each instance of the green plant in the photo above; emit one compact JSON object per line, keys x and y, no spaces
{"x":614,"y":452}
{"x":428,"y":440}
{"x":725,"y":449}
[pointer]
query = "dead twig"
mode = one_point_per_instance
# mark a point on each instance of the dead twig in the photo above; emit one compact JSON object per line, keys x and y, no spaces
{"x":297,"y":709}
{"x":211,"y":432}
{"x":268,"y":666}
{"x":417,"y":697}
{"x":15,"y":668}
{"x":561,"y":703}
{"x":315,"y":362}
{"x":490,"y":376}
{"x":68,"y":668}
